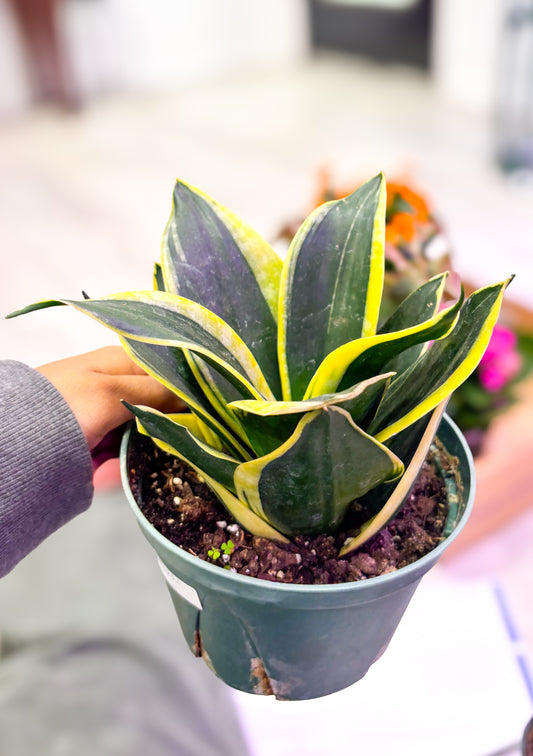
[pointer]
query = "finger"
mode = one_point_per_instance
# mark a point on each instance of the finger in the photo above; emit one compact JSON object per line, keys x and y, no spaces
{"x":112,"y":360}
{"x":143,"y":389}
{"x":109,"y":360}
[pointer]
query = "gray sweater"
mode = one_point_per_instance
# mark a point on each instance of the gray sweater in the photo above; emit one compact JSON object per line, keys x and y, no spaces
{"x":111,"y":694}
{"x":45,"y":463}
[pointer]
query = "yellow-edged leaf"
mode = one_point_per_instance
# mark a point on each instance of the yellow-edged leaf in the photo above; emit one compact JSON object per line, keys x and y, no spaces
{"x":213,"y":257}
{"x":219,"y":391}
{"x":169,"y":366}
{"x":157,"y":317}
{"x":444,"y":367}
{"x":239,"y":510}
{"x":178,"y":435}
{"x":307,"y":484}
{"x":270,"y":409}
{"x":358,"y":359}
{"x":331,"y":283}
{"x":401,"y":491}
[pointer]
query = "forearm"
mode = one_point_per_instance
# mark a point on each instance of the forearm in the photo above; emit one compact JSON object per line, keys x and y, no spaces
{"x":45,"y":463}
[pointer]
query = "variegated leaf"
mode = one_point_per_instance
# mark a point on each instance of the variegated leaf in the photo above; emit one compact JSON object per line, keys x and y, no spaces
{"x":169,"y":366}
{"x":269,"y":424}
{"x":206,"y":461}
{"x":178,"y":434}
{"x":184,"y":357}
{"x":421,"y":305}
{"x":331,"y":283}
{"x":198,"y":428}
{"x":213,"y":257}
{"x":159,"y":282}
{"x":360,"y":359}
{"x":219,"y":391}
{"x":440,"y":370}
{"x":386,"y":506}
{"x":345,"y":463}
{"x":265,"y":434}
{"x":357,"y":395}
{"x":161,"y":318}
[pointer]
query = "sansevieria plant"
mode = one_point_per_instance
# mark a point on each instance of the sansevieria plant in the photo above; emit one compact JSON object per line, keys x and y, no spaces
{"x":300,"y":399}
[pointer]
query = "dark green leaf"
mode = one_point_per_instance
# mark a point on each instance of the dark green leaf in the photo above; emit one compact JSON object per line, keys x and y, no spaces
{"x":443,"y":367}
{"x":159,"y":283}
{"x":186,"y":445}
{"x":211,"y":256}
{"x":306,"y":485}
{"x":161,"y":318}
{"x":385,"y":507}
{"x":169,"y":366}
{"x":269,"y":424}
{"x":360,"y":359}
{"x":331,"y":283}
{"x":419,"y":306}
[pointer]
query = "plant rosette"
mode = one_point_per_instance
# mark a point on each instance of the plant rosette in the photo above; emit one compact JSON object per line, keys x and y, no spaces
{"x":303,"y":397}
{"x":296,"y":642}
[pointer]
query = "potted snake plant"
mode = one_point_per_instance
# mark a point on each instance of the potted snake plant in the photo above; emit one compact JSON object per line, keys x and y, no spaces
{"x":300,"y":400}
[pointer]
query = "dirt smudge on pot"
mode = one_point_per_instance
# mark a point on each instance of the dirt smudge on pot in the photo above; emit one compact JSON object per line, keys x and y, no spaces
{"x":259,"y":679}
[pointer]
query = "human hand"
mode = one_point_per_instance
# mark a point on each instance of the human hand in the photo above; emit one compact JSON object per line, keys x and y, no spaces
{"x":93,"y":384}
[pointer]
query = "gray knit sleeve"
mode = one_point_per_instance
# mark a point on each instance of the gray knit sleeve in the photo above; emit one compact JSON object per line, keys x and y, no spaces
{"x":45,"y":463}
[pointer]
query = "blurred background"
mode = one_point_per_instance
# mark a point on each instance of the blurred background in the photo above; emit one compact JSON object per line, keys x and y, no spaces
{"x":103,"y":103}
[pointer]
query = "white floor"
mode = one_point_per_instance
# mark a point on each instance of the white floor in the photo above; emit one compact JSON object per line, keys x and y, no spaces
{"x":449,"y":683}
{"x":84,"y":199}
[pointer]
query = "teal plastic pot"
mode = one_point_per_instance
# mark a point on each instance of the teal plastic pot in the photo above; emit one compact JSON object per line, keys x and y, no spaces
{"x":296,"y":641}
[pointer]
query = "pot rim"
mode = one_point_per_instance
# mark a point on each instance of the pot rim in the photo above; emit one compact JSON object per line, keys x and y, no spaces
{"x":408,"y":573}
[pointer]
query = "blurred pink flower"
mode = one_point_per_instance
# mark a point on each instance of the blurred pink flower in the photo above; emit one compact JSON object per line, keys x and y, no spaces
{"x":501,"y":361}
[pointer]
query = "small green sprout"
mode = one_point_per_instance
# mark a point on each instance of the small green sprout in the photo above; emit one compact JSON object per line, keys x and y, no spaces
{"x":228,"y":548}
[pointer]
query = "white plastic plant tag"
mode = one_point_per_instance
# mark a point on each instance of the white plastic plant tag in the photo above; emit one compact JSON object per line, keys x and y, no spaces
{"x":182,"y":589}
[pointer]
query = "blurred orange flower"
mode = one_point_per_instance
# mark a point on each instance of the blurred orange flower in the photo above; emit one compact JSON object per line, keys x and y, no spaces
{"x":407,"y":214}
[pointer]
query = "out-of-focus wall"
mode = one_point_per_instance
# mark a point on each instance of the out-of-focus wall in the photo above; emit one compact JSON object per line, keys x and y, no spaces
{"x":466,"y":52}
{"x":136,"y":46}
